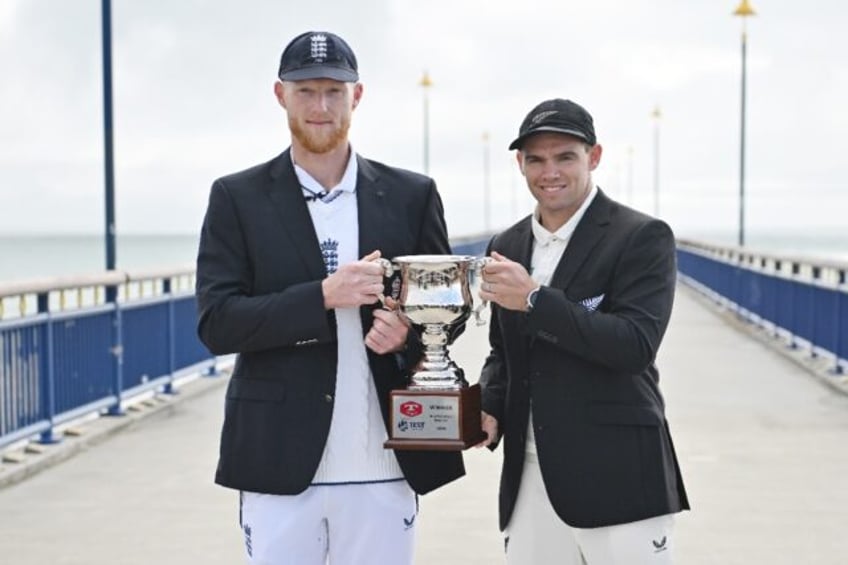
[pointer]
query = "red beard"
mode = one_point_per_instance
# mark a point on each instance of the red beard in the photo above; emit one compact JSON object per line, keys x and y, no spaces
{"x":320,"y":143}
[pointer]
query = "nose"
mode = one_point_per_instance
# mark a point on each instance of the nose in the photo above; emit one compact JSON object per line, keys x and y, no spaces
{"x":550,"y":171}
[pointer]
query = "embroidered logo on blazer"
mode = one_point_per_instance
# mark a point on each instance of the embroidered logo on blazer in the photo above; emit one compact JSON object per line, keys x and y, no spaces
{"x":591,"y":304}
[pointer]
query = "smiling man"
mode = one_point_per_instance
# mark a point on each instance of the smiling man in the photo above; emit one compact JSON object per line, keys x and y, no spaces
{"x":286,"y":279}
{"x":582,"y":292}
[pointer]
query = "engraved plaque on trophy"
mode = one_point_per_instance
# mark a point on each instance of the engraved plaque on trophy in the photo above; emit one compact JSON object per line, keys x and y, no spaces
{"x":438,"y":410}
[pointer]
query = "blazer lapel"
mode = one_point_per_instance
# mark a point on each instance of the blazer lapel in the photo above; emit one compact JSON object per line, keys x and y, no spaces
{"x":589,"y":232}
{"x":520,"y":248}
{"x":371,"y":205}
{"x":287,"y":198}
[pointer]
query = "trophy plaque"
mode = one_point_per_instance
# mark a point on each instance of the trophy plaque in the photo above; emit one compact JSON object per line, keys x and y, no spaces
{"x":438,"y":410}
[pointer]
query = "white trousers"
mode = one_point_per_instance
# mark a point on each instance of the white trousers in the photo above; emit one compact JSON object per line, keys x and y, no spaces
{"x":536,"y":535}
{"x":353,"y":524}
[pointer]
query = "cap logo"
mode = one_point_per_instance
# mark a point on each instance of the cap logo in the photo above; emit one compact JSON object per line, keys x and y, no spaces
{"x":318,"y":50}
{"x":542,"y":115}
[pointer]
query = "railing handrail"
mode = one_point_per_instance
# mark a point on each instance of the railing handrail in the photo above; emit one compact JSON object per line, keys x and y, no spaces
{"x":736,"y":251}
{"x":40,"y":285}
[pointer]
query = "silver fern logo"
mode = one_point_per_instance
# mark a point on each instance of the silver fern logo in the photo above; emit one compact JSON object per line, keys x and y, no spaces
{"x":541,"y":116}
{"x":591,"y":304}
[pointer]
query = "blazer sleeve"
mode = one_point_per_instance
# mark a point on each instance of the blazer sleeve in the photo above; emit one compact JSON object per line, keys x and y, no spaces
{"x":625,"y":334}
{"x":231,"y":318}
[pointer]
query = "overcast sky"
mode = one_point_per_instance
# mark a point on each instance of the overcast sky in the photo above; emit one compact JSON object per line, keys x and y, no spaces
{"x":193,"y":100}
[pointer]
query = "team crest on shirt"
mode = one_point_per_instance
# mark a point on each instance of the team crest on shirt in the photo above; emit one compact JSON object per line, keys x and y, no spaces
{"x":330,"y":254}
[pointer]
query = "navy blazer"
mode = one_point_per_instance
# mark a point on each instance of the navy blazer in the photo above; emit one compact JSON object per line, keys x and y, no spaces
{"x":584,"y":356}
{"x":259,"y":273}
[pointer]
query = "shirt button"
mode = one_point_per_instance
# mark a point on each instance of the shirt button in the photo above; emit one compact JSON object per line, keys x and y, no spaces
{"x":328,"y":397}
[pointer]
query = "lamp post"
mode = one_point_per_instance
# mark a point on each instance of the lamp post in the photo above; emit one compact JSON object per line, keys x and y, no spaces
{"x":425,"y":84}
{"x":487,"y":225}
{"x":656,"y":115}
{"x":106,"y":24}
{"x":743,"y":11}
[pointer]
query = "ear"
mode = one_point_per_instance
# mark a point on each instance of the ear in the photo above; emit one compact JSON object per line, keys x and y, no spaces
{"x":280,"y":93}
{"x":519,"y":158}
{"x":595,"y":156}
{"x":357,"y":93}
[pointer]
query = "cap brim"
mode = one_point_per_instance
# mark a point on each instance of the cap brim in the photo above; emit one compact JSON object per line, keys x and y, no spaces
{"x":519,"y":141}
{"x":321,"y":71}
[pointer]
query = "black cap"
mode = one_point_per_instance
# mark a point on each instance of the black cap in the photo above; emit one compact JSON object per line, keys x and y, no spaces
{"x":557,"y":116}
{"x":318,"y":54}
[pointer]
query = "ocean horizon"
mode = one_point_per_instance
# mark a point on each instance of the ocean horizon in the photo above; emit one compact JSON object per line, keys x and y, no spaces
{"x":28,"y":256}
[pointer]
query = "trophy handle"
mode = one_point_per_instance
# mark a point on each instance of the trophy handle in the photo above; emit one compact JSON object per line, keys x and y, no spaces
{"x":388,"y":270}
{"x":479,"y":265}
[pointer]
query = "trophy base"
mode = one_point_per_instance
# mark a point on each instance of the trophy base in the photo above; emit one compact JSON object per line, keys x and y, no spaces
{"x":435,"y":420}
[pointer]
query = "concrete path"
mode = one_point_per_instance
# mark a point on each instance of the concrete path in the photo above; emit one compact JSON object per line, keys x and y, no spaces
{"x":761,"y":441}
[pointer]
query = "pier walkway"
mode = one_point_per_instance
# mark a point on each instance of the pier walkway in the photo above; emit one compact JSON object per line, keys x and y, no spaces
{"x":762,"y":442}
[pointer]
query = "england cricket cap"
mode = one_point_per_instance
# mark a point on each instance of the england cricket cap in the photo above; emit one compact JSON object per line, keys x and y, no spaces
{"x":318,"y":54}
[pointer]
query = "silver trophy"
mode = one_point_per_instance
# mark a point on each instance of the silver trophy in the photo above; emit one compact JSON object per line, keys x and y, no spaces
{"x":438,"y":410}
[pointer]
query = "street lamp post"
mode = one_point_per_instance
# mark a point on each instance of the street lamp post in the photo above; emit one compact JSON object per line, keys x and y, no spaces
{"x":425,"y":84}
{"x":486,"y":189}
{"x":106,"y":17}
{"x":656,"y":115}
{"x":743,"y":10}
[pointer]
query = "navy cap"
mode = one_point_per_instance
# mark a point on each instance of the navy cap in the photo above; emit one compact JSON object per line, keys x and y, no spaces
{"x":318,"y":54}
{"x":557,"y":116}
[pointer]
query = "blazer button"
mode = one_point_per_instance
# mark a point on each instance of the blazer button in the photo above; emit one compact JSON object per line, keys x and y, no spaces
{"x":328,"y":397}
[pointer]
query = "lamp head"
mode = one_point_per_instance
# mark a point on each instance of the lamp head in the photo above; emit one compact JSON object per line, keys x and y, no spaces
{"x":744,"y":9}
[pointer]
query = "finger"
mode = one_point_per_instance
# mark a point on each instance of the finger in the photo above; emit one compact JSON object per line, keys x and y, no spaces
{"x":498,"y":257}
{"x":374,"y":255}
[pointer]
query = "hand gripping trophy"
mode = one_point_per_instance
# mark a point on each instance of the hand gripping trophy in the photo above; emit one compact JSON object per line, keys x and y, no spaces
{"x":438,"y":410}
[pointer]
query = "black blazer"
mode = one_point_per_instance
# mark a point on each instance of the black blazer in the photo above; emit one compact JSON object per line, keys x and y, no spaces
{"x":585,"y":357}
{"x":259,"y":273}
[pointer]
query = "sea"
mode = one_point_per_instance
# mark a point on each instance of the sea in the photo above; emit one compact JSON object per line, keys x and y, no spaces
{"x":29,"y":256}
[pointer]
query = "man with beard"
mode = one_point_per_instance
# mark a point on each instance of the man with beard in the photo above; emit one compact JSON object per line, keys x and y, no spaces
{"x":287,"y":280}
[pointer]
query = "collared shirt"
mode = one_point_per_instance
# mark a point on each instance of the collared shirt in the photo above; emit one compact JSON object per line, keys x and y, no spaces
{"x":548,"y":248}
{"x":354,"y":451}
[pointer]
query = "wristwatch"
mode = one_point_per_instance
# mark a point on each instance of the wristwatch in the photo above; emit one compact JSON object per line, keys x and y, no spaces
{"x":531,"y":298}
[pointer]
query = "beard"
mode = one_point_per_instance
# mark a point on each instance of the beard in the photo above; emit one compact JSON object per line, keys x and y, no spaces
{"x":322,"y":142}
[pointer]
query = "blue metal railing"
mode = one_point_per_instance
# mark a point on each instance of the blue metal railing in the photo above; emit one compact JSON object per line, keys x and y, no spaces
{"x":67,"y":351}
{"x":802,"y":300}
{"x":60,"y":362}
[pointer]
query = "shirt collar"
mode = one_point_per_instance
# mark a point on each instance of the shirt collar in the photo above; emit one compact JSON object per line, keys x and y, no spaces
{"x":543,"y":236}
{"x":346,"y":184}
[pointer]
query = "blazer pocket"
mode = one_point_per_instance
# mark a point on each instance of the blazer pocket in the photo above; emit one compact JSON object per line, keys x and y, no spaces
{"x":256,"y":389}
{"x":624,"y":415}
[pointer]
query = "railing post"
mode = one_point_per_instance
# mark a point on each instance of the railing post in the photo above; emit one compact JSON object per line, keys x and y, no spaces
{"x":47,"y":365}
{"x":793,"y":303}
{"x":840,"y":286}
{"x":171,"y":329}
{"x":117,"y":351}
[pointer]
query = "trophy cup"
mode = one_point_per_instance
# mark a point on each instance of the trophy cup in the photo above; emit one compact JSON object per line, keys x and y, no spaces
{"x":438,"y":410}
